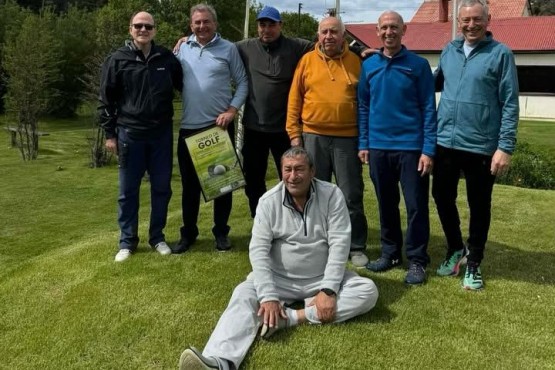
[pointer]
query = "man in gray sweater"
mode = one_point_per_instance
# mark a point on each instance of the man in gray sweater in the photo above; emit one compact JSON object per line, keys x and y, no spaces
{"x":298,"y":252}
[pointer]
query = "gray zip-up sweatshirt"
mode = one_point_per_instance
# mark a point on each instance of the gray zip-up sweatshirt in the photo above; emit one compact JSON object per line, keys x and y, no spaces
{"x":300,"y":246}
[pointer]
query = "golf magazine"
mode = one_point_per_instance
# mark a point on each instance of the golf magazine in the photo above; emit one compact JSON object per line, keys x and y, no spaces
{"x":216,"y":162}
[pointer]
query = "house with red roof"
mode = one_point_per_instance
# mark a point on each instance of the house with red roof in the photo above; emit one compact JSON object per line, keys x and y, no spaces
{"x":532,"y":40}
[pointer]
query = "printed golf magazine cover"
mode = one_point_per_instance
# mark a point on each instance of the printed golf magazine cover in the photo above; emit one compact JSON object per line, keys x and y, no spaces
{"x":216,"y":162}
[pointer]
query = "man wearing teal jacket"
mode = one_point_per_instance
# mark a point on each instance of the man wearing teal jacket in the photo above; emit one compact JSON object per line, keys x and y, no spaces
{"x":477,"y":122}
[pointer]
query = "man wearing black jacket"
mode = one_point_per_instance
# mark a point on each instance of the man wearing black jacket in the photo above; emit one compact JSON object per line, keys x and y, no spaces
{"x":136,"y":111}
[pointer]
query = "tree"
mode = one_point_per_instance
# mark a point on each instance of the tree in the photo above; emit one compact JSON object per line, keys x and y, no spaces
{"x":305,"y":26}
{"x":12,"y":17}
{"x":31,"y":63}
{"x":543,"y":7}
{"x":73,"y":30}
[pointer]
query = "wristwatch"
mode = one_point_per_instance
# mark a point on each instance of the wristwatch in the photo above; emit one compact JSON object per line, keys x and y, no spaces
{"x":328,"y":292}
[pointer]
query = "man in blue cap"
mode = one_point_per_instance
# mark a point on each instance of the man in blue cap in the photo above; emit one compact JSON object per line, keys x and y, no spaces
{"x":270,"y":60}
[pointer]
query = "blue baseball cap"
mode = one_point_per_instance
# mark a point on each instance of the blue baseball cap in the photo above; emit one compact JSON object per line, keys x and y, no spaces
{"x":269,"y":12}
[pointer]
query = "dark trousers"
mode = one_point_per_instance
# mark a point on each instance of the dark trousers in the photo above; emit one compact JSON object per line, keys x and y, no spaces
{"x":256,"y":148}
{"x":479,"y":185}
{"x":387,"y":170}
{"x":339,"y":156}
{"x":136,"y":156}
{"x":190,"y":198}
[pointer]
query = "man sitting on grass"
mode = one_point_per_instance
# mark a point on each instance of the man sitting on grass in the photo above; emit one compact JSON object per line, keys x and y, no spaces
{"x":298,"y":251}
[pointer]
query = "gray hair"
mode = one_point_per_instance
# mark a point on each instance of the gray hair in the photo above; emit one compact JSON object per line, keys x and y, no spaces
{"x":296,"y":151}
{"x":469,"y":3}
{"x":341,"y":24}
{"x":202,"y":7}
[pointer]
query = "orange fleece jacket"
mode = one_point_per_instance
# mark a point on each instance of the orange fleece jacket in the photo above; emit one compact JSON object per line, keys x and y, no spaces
{"x":323,"y":95}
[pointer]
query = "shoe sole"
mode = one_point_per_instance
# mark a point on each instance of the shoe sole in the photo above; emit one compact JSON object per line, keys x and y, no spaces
{"x":471,"y":289}
{"x":191,"y":359}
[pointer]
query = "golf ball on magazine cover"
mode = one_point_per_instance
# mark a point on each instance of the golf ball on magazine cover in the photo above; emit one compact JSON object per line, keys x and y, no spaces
{"x":219,"y":169}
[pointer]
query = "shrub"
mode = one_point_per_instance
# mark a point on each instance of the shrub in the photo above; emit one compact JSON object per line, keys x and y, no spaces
{"x":530,"y":168}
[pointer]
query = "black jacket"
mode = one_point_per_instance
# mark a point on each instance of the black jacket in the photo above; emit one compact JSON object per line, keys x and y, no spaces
{"x":136,"y":94}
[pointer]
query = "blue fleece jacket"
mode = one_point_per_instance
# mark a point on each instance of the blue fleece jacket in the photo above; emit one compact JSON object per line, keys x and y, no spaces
{"x":207,"y":74}
{"x":478,"y":110}
{"x":396,"y":103}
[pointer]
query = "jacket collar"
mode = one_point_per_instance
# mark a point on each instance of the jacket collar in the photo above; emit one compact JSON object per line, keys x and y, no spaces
{"x":192,"y":41}
{"x":288,"y":199}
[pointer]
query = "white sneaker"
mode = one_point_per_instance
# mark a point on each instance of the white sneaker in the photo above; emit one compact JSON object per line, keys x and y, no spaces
{"x":358,"y":259}
{"x":122,"y":255}
{"x":163,"y":248}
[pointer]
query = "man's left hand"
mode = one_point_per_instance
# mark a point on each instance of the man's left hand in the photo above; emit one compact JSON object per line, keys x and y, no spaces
{"x":368,"y":52}
{"x":500,"y":163}
{"x":425,"y":165}
{"x":325,"y":306}
{"x":225,"y":118}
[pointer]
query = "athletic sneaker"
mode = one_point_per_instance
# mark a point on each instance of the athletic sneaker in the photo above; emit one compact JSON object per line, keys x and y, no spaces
{"x":163,"y":248}
{"x":122,"y":255}
{"x":473,"y":278}
{"x":358,"y":258}
{"x":416,"y":274}
{"x":383,"y":264}
{"x":191,"y":358}
{"x":451,"y":265}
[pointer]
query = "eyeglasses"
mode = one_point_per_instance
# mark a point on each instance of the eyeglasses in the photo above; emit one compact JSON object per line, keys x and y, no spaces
{"x":139,"y":26}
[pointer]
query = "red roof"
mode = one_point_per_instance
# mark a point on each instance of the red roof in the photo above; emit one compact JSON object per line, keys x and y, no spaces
{"x":499,"y":9}
{"x":524,"y":34}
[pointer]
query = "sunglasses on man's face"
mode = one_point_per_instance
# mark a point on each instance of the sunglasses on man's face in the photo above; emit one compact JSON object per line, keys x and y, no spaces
{"x":139,"y":26}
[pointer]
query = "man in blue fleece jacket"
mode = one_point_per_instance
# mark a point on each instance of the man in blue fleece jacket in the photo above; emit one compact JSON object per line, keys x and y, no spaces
{"x":397,"y":136}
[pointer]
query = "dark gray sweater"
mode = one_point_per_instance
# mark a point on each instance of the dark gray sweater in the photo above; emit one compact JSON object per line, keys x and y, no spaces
{"x":270,"y":70}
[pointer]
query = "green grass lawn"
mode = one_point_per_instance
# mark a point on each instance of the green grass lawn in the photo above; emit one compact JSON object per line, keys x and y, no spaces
{"x":538,"y":133}
{"x":64,"y":303}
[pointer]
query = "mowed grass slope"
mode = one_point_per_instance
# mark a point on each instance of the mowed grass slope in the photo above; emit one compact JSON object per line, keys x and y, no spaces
{"x":66,"y":305}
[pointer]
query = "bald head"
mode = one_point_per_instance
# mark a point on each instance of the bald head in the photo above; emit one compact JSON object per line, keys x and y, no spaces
{"x":391,"y":29}
{"x":391,"y":15}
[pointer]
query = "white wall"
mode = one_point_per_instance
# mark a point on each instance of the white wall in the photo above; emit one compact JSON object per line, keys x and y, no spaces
{"x":532,"y":106}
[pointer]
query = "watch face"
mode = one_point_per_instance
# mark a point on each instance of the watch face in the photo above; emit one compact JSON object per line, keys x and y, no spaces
{"x":328,"y":291}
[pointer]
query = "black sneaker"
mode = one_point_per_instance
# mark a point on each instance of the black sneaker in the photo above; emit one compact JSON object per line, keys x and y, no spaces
{"x":416,"y":274}
{"x":183,"y":245}
{"x":223,"y":244}
{"x":383,"y":264}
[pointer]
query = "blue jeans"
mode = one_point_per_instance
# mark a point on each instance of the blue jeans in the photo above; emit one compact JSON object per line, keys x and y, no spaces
{"x":339,"y":155}
{"x":190,"y":199}
{"x":449,"y":163}
{"x":387,"y":170}
{"x":135,"y":156}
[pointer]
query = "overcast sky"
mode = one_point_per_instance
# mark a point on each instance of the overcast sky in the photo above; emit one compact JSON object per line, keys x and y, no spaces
{"x":352,"y":11}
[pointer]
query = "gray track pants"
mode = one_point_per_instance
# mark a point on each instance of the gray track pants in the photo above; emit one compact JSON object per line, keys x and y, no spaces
{"x":238,"y":325}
